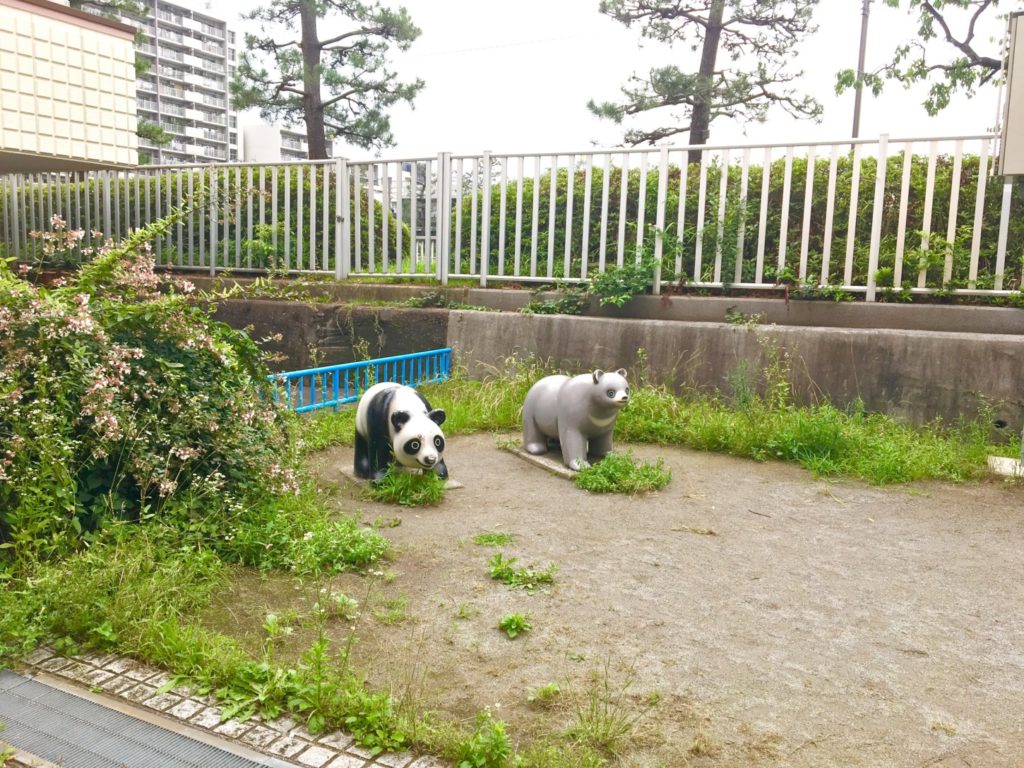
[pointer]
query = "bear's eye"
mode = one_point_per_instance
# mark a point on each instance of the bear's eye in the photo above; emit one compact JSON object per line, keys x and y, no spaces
{"x":413,"y":446}
{"x":627,"y":390}
{"x":611,"y":393}
{"x":439,"y":443}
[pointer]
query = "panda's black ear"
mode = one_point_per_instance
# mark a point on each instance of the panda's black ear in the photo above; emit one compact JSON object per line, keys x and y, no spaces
{"x":437,"y":416}
{"x":621,"y":372}
{"x":597,"y":375}
{"x":399,"y":418}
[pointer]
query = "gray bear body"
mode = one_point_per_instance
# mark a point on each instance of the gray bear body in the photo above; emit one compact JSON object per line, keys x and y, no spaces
{"x":578,"y":412}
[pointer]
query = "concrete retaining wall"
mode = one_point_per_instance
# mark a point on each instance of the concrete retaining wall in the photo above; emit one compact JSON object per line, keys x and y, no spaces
{"x":917,"y":375}
{"x":913,"y":375}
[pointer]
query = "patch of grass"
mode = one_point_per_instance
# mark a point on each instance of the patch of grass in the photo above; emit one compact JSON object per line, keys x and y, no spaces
{"x":393,"y":610}
{"x":605,"y":715}
{"x":621,"y":473}
{"x":491,"y":403}
{"x":824,"y":439}
{"x":487,"y":747}
{"x":545,"y":695}
{"x":494,"y":539}
{"x":465,"y":611}
{"x":527,"y":578}
{"x":514,"y":624}
{"x":408,"y":489}
{"x":324,"y":429}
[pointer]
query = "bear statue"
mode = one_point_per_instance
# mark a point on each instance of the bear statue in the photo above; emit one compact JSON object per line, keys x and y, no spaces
{"x":579,"y":412}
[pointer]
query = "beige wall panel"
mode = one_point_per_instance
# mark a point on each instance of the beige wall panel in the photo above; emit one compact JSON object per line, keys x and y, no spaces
{"x":68,"y":90}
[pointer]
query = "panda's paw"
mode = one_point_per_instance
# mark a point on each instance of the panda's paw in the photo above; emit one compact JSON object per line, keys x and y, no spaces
{"x":536,"y":449}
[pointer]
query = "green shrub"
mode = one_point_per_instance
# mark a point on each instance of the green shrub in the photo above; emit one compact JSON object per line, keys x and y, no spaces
{"x":119,"y":401}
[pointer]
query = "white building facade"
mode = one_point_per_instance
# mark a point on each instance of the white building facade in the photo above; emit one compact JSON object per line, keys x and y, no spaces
{"x":185,"y":91}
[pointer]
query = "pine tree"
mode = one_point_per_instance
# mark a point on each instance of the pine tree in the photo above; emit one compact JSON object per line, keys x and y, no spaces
{"x":758,"y":38}
{"x":338,"y":83}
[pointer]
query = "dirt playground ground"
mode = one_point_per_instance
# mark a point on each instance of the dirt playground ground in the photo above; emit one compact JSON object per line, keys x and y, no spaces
{"x":747,"y":614}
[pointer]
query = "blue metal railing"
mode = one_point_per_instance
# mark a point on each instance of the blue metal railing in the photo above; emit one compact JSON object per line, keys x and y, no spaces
{"x":335,"y":385}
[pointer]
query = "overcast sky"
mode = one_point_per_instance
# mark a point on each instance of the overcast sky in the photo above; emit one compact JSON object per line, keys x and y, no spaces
{"x":516,"y":77}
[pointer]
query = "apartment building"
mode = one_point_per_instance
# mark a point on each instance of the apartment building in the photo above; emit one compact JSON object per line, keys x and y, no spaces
{"x":67,"y":89}
{"x":192,"y":59}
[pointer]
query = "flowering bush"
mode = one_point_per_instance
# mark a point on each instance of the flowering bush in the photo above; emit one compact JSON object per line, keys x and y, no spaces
{"x":122,"y":398}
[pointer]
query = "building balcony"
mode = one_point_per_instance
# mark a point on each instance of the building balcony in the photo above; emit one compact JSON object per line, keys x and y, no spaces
{"x":173,"y":18}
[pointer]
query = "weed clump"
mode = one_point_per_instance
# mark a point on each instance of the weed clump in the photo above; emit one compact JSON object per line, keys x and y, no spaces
{"x":622,"y":473}
{"x":527,"y":578}
{"x":408,"y":489}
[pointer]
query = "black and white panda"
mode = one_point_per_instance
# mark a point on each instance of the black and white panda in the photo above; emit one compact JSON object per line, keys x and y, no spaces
{"x":396,"y":423}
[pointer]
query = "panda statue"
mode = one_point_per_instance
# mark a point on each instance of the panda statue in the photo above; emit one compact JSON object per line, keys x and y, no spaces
{"x":395,"y":423}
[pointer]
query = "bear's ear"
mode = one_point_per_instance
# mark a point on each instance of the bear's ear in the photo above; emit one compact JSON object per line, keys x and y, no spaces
{"x":437,"y":416}
{"x":597,"y":375}
{"x":621,"y":372}
{"x":399,"y":418}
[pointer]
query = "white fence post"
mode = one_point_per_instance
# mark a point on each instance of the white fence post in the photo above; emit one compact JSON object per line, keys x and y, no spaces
{"x":485,"y":218}
{"x":659,"y":220}
{"x":876,"y":212}
{"x":444,"y":214}
{"x":342,"y":251}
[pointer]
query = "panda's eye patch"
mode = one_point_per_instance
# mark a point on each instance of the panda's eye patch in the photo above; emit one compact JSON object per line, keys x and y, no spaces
{"x":627,"y":390}
{"x":439,"y":442}
{"x":611,"y":393}
{"x":412,"y":446}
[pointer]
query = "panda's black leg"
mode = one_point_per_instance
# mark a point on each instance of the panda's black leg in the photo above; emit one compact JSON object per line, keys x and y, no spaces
{"x":362,"y":458}
{"x":380,"y":459}
{"x":441,"y":470}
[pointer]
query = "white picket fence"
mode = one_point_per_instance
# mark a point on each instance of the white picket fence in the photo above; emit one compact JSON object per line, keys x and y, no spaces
{"x":911,"y":215}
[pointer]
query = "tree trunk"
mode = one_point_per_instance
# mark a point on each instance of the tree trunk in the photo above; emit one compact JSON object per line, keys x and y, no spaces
{"x":700,"y":118}
{"x":312,"y":103}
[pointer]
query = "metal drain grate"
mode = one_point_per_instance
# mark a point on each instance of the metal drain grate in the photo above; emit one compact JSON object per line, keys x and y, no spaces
{"x":77,"y":733}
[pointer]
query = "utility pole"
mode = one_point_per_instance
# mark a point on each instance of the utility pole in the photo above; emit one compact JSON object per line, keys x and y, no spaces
{"x":860,"y":67}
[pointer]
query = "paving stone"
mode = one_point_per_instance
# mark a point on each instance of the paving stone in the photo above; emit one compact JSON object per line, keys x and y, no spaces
{"x":362,"y":752}
{"x":141,"y":673}
{"x":131,"y":668}
{"x":97,"y":660}
{"x":316,"y":757}
{"x":185,"y":709}
{"x":139,"y":693}
{"x":302,"y":733}
{"x":162,"y":701}
{"x":39,"y":655}
{"x":76,"y":670}
{"x":209,"y":718}
{"x":261,"y":737}
{"x":160,"y":679}
{"x":117,"y":684}
{"x":233,"y":728}
{"x":337,"y":739}
{"x":97,"y":677}
{"x":283,"y":724}
{"x":56,"y":664}
{"x":347,"y":761}
{"x":288,"y":746}
{"x":427,"y":762}
{"x":395,"y":759}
